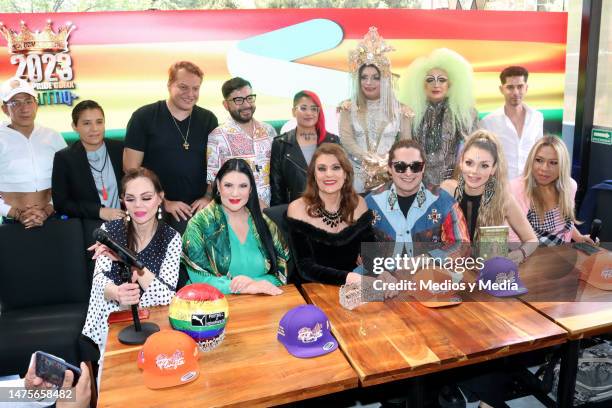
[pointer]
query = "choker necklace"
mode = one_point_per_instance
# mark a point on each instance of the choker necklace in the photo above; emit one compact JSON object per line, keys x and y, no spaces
{"x":185,"y":142}
{"x":309,"y":136}
{"x":332,"y":219}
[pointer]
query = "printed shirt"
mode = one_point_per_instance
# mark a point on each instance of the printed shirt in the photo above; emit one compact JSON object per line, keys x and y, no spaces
{"x":434,"y":223}
{"x":229,"y":141}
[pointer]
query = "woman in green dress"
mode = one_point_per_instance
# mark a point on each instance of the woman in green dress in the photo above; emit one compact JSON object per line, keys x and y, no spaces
{"x":230,"y":244}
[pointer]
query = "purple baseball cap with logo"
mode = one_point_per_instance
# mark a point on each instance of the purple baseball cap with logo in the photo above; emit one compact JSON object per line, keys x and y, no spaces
{"x":500,"y":277}
{"x":305,"y":332}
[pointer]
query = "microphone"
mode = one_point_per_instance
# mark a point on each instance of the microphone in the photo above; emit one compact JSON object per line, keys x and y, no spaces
{"x":128,"y":256}
{"x":595,"y":229}
{"x":138,"y":332}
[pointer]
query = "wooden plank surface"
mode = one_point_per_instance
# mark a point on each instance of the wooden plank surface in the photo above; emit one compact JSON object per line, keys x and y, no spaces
{"x":551,"y":276}
{"x":386,"y":341}
{"x":249,"y":368}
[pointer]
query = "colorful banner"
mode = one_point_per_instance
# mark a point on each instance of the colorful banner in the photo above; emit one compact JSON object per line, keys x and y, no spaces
{"x":120,"y":59}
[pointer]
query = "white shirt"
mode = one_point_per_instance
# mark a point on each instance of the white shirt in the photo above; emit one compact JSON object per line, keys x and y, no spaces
{"x":26,"y":163}
{"x":516,"y":149}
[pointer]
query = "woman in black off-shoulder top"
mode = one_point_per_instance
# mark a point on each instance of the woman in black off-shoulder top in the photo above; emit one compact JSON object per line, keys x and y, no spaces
{"x":330,"y":221}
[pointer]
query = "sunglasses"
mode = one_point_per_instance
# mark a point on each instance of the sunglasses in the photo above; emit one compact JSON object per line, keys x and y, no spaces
{"x":401,"y":166}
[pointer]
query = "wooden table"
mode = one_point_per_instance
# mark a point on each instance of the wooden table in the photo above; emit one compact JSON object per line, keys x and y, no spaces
{"x":551,"y":276}
{"x":555,"y":291}
{"x":249,"y":368}
{"x":387,"y":341}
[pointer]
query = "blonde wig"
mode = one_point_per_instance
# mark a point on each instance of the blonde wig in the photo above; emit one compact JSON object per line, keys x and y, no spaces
{"x":460,"y":94}
{"x":492,"y":212}
{"x":562,"y":183}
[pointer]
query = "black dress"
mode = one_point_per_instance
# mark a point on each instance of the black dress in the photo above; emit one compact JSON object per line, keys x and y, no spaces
{"x":328,"y":257}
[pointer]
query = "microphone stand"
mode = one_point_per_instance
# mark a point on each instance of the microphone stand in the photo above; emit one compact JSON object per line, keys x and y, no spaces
{"x":136,"y":333}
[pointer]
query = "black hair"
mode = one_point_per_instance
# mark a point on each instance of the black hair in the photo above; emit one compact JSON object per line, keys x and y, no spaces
{"x":241,"y":166}
{"x":231,"y":85}
{"x":82,"y":106}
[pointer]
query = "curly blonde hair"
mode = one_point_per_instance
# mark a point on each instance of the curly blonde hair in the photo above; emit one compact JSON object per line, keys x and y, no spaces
{"x":493,"y":212}
{"x":460,"y":93}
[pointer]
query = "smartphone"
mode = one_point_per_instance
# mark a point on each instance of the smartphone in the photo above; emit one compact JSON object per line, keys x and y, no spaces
{"x":52,"y":369}
{"x":586,"y":248}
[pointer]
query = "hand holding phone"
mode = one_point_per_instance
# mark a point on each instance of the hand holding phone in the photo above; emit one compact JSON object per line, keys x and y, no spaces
{"x":586,"y":248}
{"x":52,"y":369}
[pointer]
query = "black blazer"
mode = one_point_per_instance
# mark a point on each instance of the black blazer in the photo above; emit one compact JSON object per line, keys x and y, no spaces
{"x":72,"y":185}
{"x":288,"y":167}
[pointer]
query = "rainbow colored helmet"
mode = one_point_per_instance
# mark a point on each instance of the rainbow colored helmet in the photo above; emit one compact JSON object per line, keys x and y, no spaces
{"x":201,"y":311}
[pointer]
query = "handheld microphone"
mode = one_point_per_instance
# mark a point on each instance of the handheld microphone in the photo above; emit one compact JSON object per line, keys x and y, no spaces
{"x":128,"y":256}
{"x":595,"y":229}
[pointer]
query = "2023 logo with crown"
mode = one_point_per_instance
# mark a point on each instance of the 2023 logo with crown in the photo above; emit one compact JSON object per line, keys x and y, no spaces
{"x":43,"y":58}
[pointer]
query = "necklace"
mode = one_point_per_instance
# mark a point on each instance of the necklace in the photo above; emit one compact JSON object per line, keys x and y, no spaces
{"x":104,"y":191}
{"x":331,"y":219}
{"x":308,"y":136}
{"x":185,"y":142}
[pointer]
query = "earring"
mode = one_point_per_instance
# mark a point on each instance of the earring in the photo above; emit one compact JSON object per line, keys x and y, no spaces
{"x":159,"y":213}
{"x":489,"y":190}
{"x":392,"y":199}
{"x":460,"y":188}
{"x":127,"y":216}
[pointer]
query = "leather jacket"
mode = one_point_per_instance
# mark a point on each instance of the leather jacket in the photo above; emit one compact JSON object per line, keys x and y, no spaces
{"x":288,"y":167}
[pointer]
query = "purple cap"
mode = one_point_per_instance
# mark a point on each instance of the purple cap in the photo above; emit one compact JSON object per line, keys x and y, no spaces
{"x":500,"y":277}
{"x":305,"y":332}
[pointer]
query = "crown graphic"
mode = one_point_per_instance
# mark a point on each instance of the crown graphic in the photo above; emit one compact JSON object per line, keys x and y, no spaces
{"x":28,"y":42}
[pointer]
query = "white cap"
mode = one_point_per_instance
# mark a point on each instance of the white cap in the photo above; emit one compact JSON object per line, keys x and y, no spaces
{"x":15,"y":86}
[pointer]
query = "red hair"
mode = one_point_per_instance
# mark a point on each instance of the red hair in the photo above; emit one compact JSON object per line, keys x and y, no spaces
{"x":320,"y":126}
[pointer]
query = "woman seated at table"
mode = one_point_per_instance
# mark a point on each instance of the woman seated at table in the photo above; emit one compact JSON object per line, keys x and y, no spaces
{"x":292,"y":151}
{"x":230,"y":244}
{"x":483,"y":195}
{"x":545,"y":193}
{"x":330,"y":221}
{"x":86,"y":176}
{"x":156,"y":244}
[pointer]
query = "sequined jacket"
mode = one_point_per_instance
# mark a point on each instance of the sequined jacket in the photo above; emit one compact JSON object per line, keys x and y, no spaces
{"x":434,"y":223}
{"x":206,"y":246}
{"x":442,"y":153}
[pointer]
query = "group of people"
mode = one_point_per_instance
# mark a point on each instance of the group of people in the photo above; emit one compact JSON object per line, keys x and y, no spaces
{"x":183,"y":188}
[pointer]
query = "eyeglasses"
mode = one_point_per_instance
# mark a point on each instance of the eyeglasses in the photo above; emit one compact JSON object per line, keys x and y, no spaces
{"x":239,"y":100}
{"x":305,"y":108}
{"x":18,"y":104}
{"x":402,"y":166}
{"x":439,"y":79}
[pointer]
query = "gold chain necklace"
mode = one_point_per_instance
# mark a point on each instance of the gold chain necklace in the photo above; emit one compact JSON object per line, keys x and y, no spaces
{"x":186,"y":137}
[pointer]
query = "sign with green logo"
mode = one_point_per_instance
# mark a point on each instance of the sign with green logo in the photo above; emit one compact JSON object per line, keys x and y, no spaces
{"x":601,"y":136}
